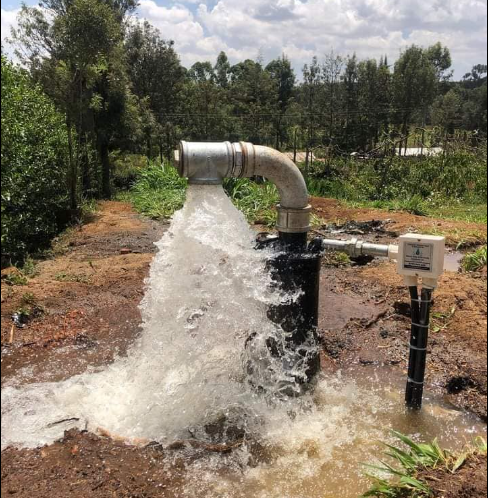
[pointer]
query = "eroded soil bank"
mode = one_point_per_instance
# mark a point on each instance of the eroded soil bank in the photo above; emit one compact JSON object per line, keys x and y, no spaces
{"x":82,"y":310}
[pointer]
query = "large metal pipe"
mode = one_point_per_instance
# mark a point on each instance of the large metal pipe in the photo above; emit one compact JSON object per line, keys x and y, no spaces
{"x":210,"y":163}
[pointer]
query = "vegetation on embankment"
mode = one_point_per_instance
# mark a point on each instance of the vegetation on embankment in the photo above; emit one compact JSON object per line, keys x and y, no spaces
{"x":34,"y":153}
{"x":411,"y":464}
{"x":427,"y":187}
{"x":453,"y":185}
{"x":475,"y":261}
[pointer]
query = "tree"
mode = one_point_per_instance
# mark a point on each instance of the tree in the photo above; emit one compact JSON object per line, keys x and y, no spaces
{"x":34,"y":157}
{"x":222,"y":71}
{"x":77,"y":44}
{"x":446,"y":111}
{"x":414,"y":86}
{"x":440,"y":58}
{"x":283,"y":78}
{"x":157,"y":75}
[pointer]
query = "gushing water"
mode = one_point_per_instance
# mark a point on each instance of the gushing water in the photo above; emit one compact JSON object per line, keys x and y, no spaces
{"x":207,"y":293}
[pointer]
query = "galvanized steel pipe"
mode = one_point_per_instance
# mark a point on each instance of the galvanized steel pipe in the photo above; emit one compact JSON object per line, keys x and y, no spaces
{"x":356,"y":248}
{"x":210,"y":163}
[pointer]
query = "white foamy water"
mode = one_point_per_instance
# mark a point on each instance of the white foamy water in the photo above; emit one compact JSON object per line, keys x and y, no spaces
{"x":207,"y":292}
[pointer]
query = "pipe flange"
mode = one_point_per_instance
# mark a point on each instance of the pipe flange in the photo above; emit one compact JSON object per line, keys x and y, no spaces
{"x":293,"y":220}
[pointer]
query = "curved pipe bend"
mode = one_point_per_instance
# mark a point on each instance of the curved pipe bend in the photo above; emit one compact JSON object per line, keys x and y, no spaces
{"x":210,"y":163}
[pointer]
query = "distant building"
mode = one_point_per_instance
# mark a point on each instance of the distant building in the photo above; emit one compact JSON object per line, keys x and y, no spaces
{"x":301,"y":156}
{"x":419,"y":151}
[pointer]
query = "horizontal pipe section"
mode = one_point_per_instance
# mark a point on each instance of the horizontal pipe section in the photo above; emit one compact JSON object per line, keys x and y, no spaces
{"x":356,"y":248}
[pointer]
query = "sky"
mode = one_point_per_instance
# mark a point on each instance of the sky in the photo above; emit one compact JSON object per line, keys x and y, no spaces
{"x":301,"y":29}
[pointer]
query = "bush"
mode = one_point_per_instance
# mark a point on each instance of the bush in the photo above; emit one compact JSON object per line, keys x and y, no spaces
{"x":126,"y":168}
{"x":409,"y":183}
{"x":34,"y":156}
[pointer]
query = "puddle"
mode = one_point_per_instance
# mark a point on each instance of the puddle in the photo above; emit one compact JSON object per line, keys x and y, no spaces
{"x":452,"y":261}
{"x":321,"y":452}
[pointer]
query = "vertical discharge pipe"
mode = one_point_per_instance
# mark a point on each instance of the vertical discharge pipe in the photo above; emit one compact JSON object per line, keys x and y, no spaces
{"x":418,"y":347}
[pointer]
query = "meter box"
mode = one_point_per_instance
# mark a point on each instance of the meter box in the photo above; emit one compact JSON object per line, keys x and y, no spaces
{"x":421,"y":256}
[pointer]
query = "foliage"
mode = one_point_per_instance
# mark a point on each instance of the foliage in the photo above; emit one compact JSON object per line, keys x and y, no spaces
{"x":417,"y":185}
{"x":476,"y":260}
{"x":256,"y":201}
{"x":416,"y":457}
{"x":34,"y":155}
{"x":158,"y":191}
{"x":126,"y":168}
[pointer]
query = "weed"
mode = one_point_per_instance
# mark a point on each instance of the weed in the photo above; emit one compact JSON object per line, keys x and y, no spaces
{"x":70,"y":277}
{"x":441,"y":321}
{"x":15,"y":278}
{"x":158,"y":191}
{"x":28,"y":299}
{"x":256,"y":201}
{"x":413,"y":459}
{"x":475,"y":261}
{"x":336,"y":259}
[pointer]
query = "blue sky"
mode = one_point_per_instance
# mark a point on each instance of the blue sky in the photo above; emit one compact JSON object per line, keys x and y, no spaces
{"x":304,"y":28}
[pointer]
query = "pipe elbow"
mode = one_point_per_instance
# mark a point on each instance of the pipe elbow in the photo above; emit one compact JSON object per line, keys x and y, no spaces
{"x":294,"y":209}
{"x":280,"y":170}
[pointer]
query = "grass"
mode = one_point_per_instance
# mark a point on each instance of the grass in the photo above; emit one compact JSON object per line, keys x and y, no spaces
{"x":476,"y":260}
{"x":256,"y":201}
{"x":405,"y":480}
{"x":157,"y":192}
{"x":451,"y":187}
{"x":70,"y":277}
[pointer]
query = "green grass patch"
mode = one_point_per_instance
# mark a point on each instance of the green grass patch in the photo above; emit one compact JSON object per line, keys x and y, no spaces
{"x":157,"y":192}
{"x":476,"y":260}
{"x":453,"y":186}
{"x":256,"y":201}
{"x":409,"y":460}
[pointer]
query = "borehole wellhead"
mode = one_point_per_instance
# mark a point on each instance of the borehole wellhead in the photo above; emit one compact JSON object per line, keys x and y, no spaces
{"x":210,"y":163}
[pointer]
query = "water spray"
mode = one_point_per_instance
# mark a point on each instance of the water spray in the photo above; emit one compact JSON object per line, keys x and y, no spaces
{"x":295,"y":268}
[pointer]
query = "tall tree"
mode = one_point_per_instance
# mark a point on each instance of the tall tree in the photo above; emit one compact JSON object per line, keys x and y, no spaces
{"x":283,"y":78}
{"x":157,"y":75}
{"x":77,"y":45}
{"x":414,"y":85}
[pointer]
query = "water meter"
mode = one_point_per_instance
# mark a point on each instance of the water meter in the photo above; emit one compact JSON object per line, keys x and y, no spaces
{"x":421,"y":256}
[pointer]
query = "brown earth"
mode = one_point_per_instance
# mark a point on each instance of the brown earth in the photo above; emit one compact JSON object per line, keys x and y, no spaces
{"x":469,"y":482}
{"x":83,"y":307}
{"x":399,"y":222}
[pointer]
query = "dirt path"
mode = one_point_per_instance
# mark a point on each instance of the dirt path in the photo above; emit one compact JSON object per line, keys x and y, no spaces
{"x":83,"y":306}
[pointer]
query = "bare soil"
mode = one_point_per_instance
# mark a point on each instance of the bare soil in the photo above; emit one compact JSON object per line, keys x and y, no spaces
{"x":83,"y":311}
{"x":469,"y":482}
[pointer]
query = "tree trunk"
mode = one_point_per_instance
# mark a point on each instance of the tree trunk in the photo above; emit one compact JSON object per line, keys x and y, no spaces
{"x":73,"y":174}
{"x":106,"y":173}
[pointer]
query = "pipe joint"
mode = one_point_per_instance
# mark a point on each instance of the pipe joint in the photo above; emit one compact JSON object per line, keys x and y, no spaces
{"x":293,"y":220}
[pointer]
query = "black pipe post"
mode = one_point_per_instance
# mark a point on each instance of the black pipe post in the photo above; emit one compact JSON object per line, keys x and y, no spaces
{"x":296,"y":269}
{"x":418,"y":347}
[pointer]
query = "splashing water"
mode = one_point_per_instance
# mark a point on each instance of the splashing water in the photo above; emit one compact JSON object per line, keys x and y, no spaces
{"x":207,"y":293}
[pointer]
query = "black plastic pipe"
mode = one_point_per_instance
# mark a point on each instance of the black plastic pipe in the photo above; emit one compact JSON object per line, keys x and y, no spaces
{"x":296,"y":269}
{"x":418,"y":347}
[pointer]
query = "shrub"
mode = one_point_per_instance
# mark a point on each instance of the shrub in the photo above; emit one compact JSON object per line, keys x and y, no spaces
{"x":34,"y":155}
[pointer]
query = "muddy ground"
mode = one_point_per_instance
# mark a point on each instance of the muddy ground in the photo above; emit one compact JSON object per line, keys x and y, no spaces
{"x":81,"y":310}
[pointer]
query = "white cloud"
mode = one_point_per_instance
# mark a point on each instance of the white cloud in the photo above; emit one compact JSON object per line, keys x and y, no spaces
{"x":9,"y":20}
{"x":303,"y":28}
